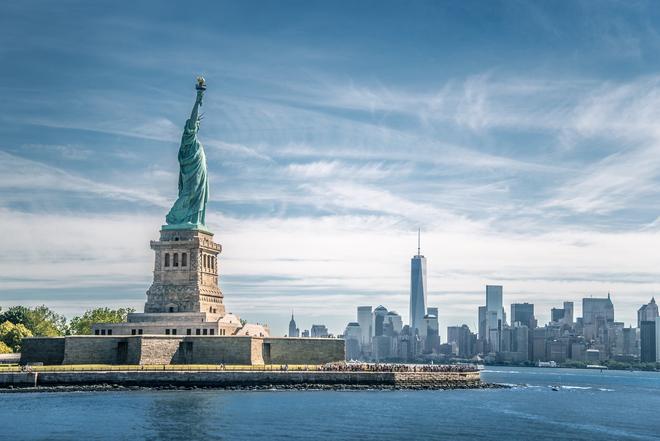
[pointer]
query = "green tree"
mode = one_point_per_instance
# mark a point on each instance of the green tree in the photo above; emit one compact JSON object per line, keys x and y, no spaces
{"x":18,"y":315}
{"x":12,"y":335}
{"x":82,"y":325}
{"x":40,"y":320}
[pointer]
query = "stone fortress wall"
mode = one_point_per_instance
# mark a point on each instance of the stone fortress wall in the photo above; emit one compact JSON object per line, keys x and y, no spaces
{"x":158,"y":349}
{"x":228,"y":378}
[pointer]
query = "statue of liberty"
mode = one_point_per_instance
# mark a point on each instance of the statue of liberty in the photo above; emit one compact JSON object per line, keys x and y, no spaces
{"x":189,"y":210}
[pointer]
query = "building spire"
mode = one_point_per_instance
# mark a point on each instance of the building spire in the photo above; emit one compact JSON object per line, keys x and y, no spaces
{"x":419,"y":233}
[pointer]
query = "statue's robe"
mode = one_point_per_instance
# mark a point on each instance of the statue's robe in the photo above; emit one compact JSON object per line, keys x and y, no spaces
{"x":190,"y":207}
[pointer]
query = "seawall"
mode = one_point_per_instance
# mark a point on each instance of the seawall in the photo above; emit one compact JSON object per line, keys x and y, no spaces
{"x":246,"y":379}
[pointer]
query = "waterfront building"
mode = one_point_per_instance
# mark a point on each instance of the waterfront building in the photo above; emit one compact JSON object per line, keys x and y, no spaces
{"x":578,"y":351}
{"x":524,"y":314}
{"x":430,"y":334}
{"x":597,"y":316}
{"x":453,"y":334}
{"x":352,"y":338}
{"x":418,"y":290}
{"x":539,"y":352}
{"x":520,"y":342}
{"x":568,"y":313}
{"x":481,"y":331}
{"x":379,"y":318}
{"x":396,"y":322}
{"x":564,"y":315}
{"x":305,"y":333}
{"x":657,"y":339}
{"x":319,"y":331}
{"x":631,"y":342}
{"x":464,"y":340}
{"x":647,"y":331}
{"x":647,"y":312}
{"x":494,"y":316}
{"x":293,"y":329}
{"x":365,"y":319}
{"x":382,"y":346}
{"x":556,"y":314}
{"x":593,"y":356}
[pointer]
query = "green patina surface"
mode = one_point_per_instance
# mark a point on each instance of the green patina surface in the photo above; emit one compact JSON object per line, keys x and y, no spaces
{"x":189,"y":210}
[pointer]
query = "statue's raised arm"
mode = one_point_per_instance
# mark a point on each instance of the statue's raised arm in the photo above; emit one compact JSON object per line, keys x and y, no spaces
{"x":189,"y":210}
{"x":194,"y":115}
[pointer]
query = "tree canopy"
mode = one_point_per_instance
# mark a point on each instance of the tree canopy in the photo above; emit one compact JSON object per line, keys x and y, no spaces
{"x":40,"y":321}
{"x":82,"y":325}
{"x":4,"y":349}
{"x":11,"y":334}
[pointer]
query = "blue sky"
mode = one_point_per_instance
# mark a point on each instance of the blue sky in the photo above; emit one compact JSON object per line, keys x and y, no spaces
{"x":521,"y":137}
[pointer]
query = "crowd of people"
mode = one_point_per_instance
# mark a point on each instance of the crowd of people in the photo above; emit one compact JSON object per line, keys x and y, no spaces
{"x":398,"y":367}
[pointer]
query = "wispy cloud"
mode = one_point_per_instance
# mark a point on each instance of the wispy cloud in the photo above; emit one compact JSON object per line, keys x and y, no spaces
{"x":21,"y":178}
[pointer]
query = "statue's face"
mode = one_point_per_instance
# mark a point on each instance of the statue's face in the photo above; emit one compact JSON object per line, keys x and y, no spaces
{"x":197,"y":124}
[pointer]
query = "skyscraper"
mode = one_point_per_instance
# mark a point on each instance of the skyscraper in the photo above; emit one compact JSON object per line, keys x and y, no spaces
{"x":523,"y":313}
{"x":563,"y":316}
{"x":657,"y":339}
{"x":648,"y":342}
{"x":494,"y":316}
{"x":417,"y":290}
{"x":365,"y":320}
{"x":319,"y":331}
{"x":430,"y":333}
{"x":293,"y":329}
{"x":597,"y":315}
{"x":481,"y":331}
{"x":352,"y":337}
{"x":395,"y":320}
{"x":647,"y":312}
{"x":463,"y":338}
{"x":379,"y":319}
{"x":568,"y":313}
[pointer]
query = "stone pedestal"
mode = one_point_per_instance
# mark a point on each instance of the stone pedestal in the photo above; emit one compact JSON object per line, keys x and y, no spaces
{"x":186,"y":274}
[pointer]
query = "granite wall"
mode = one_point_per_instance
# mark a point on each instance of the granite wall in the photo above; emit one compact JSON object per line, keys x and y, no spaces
{"x":426,"y":380}
{"x":152,"y":349}
{"x":305,"y":350}
{"x":46,"y":350}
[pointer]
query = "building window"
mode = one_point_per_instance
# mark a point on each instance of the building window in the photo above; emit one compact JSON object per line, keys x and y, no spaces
{"x":197,"y":332}
{"x":96,"y":332}
{"x":102,"y":331}
{"x":213,"y":263}
{"x":184,"y":259}
{"x":175,"y":259}
{"x":212,"y":331}
{"x":109,"y":331}
{"x":205,"y":331}
{"x":188,"y":331}
{"x":139,"y":331}
{"x":171,"y":308}
{"x":167,"y":259}
{"x":173,"y":331}
{"x":133,"y":332}
{"x":167,"y":332}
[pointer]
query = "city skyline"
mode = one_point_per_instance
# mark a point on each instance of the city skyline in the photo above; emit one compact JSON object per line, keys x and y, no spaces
{"x":525,"y":146}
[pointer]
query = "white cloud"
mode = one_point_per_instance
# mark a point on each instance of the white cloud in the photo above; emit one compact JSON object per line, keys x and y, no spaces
{"x":24,"y":175}
{"x":342,"y":170}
